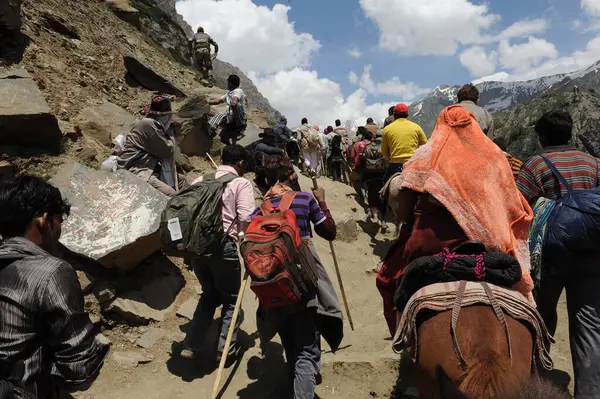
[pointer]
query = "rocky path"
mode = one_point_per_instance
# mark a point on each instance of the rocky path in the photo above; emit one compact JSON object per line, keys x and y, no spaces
{"x":365,"y":367}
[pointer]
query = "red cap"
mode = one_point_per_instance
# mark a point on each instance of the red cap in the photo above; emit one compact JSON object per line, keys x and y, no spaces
{"x":401,"y":109}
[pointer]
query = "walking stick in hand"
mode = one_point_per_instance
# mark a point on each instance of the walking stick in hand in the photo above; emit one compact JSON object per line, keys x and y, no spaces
{"x":236,"y":312}
{"x":337,"y":271}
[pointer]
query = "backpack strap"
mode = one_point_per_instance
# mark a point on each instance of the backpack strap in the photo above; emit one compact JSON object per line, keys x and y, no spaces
{"x":284,"y":204}
{"x":556,"y":173}
{"x":596,"y":177}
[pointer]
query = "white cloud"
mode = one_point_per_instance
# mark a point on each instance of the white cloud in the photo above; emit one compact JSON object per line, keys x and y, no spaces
{"x":354,"y":52}
{"x":478,"y":61}
{"x":577,"y":60}
{"x":254,"y":38}
{"x":428,"y":27}
{"x":522,"y":57}
{"x":591,"y":7}
{"x":390,"y":87}
{"x":522,"y":28}
{"x":300,"y":93}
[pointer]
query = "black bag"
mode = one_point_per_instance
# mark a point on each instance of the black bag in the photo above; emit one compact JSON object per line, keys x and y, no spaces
{"x":192,"y":223}
{"x":372,"y":160}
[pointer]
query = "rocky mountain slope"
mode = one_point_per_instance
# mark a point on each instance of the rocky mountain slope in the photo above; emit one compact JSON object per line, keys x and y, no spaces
{"x":223,"y":69}
{"x":500,"y":96}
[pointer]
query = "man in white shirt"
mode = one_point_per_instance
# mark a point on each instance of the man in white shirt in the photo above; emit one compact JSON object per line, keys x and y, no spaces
{"x":235,"y":121}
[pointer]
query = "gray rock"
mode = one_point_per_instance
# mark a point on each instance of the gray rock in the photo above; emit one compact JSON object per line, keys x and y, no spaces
{"x":150,"y":303}
{"x":188,"y":308}
{"x":10,"y":15}
{"x":130,"y":358}
{"x":150,"y":338}
{"x":347,"y":228}
{"x":85,"y":281}
{"x":102,"y":339}
{"x":124,"y":10}
{"x":104,"y":122}
{"x":147,"y":78}
{"x":25,"y":118}
{"x":114,"y":216}
{"x":106,"y":294}
{"x":194,"y":107}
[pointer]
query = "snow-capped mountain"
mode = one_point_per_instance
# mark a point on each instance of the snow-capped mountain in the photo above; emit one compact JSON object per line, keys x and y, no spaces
{"x":500,"y":96}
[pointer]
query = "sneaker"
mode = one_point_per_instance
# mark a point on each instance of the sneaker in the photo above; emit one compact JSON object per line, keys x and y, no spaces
{"x":188,"y":354}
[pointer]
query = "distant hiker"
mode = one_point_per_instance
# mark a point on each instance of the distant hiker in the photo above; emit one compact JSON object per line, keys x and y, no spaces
{"x":343,"y":132}
{"x":390,"y":117}
{"x":267,"y":147}
{"x":301,"y":325}
{"x":310,"y":144}
{"x":219,"y":273}
{"x":373,"y":170}
{"x":149,"y":149}
{"x":199,"y":46}
{"x":234,"y":123}
{"x":543,"y":181}
{"x":372,"y":127}
{"x":336,"y":157}
{"x":48,"y":341}
{"x":400,"y":140}
{"x":468,"y":97}
{"x":283,"y":132}
{"x":515,"y":164}
{"x":354,"y":156}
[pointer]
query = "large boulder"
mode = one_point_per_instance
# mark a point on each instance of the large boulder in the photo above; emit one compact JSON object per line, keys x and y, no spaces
{"x":104,"y":122}
{"x":124,"y":10}
{"x":114,"y":216}
{"x":10,"y":15}
{"x":191,"y":125}
{"x":148,"y":79}
{"x":25,"y":118}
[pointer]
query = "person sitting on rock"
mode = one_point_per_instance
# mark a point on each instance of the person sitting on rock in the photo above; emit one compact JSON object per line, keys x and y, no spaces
{"x":149,"y":150}
{"x":219,"y":273}
{"x":47,"y":343}
{"x":235,"y":122}
{"x":300,"y":327}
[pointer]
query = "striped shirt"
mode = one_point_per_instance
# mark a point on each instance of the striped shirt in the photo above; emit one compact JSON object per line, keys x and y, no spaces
{"x":536,"y":180}
{"x":306,"y":209}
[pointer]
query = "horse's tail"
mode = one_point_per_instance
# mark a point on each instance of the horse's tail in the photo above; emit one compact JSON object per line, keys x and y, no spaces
{"x":488,"y":376}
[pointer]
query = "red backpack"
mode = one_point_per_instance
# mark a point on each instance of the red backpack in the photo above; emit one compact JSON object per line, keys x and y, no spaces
{"x":281,"y":266}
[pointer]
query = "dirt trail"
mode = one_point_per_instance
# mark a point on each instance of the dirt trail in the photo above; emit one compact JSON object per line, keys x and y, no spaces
{"x":365,"y":367}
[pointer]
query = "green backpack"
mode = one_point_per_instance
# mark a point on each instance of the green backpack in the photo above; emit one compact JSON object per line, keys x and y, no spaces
{"x":192,"y":223}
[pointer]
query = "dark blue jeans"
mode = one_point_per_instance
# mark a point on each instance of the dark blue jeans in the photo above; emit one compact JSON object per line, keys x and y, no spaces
{"x":220,"y":278}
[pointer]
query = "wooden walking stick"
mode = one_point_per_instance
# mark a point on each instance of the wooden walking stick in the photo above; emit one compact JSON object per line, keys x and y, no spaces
{"x":337,"y":272}
{"x":212,"y":161}
{"x":236,"y":311}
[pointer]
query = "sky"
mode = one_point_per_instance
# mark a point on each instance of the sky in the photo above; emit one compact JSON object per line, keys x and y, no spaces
{"x":352,"y":59}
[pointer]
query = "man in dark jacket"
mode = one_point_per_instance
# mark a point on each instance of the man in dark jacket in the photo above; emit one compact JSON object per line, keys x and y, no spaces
{"x":283,"y":132}
{"x":266,"y":148}
{"x":46,"y":333}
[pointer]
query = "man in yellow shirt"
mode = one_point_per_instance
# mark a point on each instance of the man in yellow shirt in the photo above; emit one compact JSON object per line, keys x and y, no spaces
{"x":401,"y":139}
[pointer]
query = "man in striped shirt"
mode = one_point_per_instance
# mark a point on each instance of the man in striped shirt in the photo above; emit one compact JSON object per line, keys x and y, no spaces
{"x":581,"y":276}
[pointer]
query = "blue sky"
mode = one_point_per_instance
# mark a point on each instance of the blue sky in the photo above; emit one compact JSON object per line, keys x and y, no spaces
{"x":301,"y":48}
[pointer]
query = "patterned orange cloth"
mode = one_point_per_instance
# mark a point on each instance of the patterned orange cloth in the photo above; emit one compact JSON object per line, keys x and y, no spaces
{"x":466,"y":172}
{"x":515,"y":164}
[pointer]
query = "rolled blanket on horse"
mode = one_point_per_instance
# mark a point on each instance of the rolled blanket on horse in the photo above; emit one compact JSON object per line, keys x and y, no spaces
{"x":468,"y":262}
{"x":442,"y":297}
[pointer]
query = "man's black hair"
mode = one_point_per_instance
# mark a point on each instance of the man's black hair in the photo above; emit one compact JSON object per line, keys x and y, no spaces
{"x":304,"y":121}
{"x":338,"y":123}
{"x":369,"y":120}
{"x":367,"y":134}
{"x":555,"y":128}
{"x":232,"y":154}
{"x":329,"y":129}
{"x":234,"y":80}
{"x":25,"y":198}
{"x":391,"y":110}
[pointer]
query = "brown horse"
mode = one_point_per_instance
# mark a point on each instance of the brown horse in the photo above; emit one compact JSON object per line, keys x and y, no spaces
{"x":490,"y":370}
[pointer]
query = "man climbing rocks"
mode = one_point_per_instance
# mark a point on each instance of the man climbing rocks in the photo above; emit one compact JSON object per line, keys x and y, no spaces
{"x":301,"y":325}
{"x":149,"y":149}
{"x":199,"y":46}
{"x":234,"y":123}
{"x":468,"y":97}
{"x":47,"y":341}
{"x":400,"y":140}
{"x":577,"y":272}
{"x":219,"y":273}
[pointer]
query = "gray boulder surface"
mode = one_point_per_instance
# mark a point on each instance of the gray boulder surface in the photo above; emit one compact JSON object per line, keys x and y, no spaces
{"x":114,"y":216}
{"x":147,"y":78}
{"x":25,"y":118}
{"x":104,"y":122}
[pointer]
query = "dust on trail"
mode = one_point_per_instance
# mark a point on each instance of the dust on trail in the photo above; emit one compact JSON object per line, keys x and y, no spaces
{"x":364,"y":367}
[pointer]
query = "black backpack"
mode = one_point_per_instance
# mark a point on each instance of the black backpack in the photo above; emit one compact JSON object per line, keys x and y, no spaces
{"x":192,"y":223}
{"x":372,"y":159}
